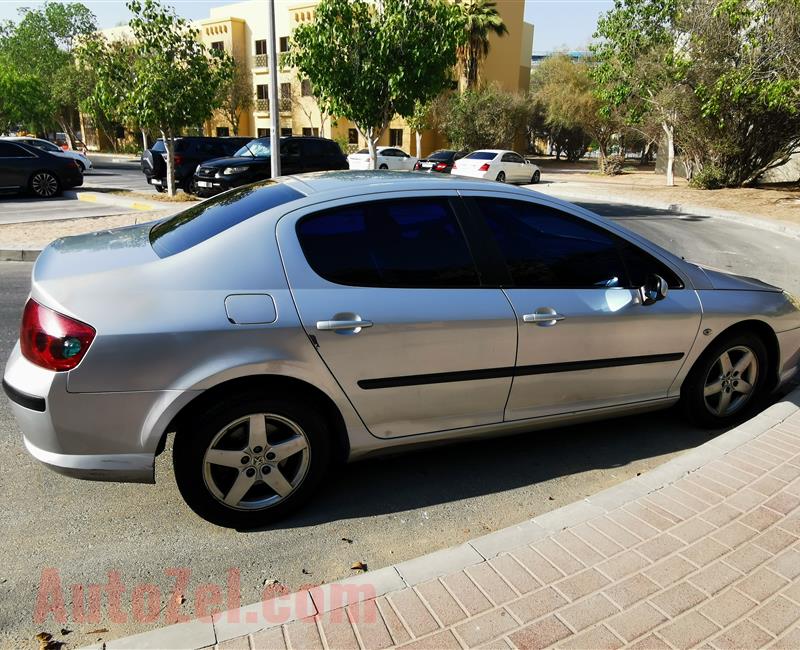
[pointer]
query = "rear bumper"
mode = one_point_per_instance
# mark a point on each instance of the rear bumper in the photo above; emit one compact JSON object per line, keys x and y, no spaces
{"x":469,"y":173}
{"x":109,"y":436}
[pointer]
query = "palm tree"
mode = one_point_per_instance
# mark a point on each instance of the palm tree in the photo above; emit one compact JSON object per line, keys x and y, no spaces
{"x":481,"y":19}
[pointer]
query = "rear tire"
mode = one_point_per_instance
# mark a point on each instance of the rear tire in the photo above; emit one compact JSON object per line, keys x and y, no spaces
{"x":227,"y":477}
{"x":536,"y":177}
{"x":501,"y":177}
{"x":384,"y":166}
{"x":160,"y":189}
{"x":727,"y":383}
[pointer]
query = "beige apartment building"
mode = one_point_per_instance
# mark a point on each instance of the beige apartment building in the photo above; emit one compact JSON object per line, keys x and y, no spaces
{"x":241,"y":30}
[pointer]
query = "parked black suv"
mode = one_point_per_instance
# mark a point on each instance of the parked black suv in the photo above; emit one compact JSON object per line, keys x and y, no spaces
{"x":190,"y":151}
{"x":27,"y":169}
{"x":252,"y":163}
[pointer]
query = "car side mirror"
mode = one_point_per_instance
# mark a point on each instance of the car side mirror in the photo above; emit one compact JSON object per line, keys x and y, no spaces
{"x":655,"y":289}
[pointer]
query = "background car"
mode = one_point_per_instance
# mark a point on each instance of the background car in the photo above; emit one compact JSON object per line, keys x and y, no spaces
{"x":388,"y":158}
{"x":29,"y":169}
{"x":190,"y":151}
{"x":497,"y":165}
{"x":286,"y":326}
{"x":45,"y":145}
{"x":253,"y":162}
{"x":439,"y":161}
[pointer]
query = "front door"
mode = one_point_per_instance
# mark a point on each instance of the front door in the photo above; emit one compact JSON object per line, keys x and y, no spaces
{"x":15,"y":165}
{"x":585,"y":339}
{"x":390,"y":293}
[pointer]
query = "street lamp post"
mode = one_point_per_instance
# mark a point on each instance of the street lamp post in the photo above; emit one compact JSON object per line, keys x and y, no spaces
{"x":274,"y":104}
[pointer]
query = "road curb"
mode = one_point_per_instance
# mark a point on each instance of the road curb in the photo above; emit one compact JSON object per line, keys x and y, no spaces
{"x":105,"y":199}
{"x":412,"y":572}
{"x":19,"y":254}
{"x":756,"y":221}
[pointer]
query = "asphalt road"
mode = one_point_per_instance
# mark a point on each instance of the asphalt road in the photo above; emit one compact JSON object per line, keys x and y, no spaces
{"x":378,"y":511}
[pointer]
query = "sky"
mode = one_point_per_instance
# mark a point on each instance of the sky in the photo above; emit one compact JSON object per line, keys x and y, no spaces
{"x":559,"y":24}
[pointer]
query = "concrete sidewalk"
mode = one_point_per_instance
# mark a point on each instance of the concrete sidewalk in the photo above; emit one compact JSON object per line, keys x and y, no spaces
{"x":703,"y":551}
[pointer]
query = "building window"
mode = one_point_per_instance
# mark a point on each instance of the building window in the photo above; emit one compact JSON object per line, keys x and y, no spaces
{"x":284,"y":44}
{"x":262,"y":92}
{"x":218,"y":45}
{"x":286,"y":91}
{"x":261,"y":46}
{"x":352,"y":136}
{"x":286,"y":130}
{"x":262,"y":133}
{"x":223,"y":132}
{"x":307,"y":130}
{"x":305,"y":88}
{"x":395,"y":137}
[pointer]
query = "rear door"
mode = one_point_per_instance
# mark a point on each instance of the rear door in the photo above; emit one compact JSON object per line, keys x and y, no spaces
{"x":389,"y":292}
{"x":16,"y":165}
{"x":601,"y":347}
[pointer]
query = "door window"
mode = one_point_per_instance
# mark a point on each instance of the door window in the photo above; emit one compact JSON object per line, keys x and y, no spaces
{"x":410,"y":243}
{"x":641,"y":265}
{"x":548,"y":249}
{"x":10,"y":150}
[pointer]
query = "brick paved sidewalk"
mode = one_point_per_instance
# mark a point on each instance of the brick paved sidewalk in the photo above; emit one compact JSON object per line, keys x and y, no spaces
{"x":703,"y":551}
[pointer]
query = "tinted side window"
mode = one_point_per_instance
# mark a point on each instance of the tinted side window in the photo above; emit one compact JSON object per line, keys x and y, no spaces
{"x":641,"y":265}
{"x":333,"y":150}
{"x":412,"y":243}
{"x":10,"y":150}
{"x":545,"y":248}
{"x":312,"y":148}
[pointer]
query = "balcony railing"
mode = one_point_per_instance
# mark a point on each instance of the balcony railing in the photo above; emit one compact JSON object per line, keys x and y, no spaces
{"x":284,"y":105}
{"x":262,"y":105}
{"x":260,"y":61}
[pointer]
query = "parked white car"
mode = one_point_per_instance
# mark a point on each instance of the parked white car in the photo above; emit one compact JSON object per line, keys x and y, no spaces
{"x":388,"y":158}
{"x":46,"y":145}
{"x":497,"y":165}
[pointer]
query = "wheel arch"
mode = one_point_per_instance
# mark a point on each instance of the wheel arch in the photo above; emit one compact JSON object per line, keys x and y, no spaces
{"x":767,"y":336}
{"x":266,"y":382}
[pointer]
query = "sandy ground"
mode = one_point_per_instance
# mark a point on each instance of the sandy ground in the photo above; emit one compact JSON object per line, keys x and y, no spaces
{"x":779,"y":202}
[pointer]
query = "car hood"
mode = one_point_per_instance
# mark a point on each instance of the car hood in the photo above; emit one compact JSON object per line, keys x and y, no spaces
{"x":235,"y":161}
{"x":722,"y":281}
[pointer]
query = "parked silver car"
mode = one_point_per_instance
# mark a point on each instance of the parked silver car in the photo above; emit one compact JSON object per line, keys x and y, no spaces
{"x":285,"y":326}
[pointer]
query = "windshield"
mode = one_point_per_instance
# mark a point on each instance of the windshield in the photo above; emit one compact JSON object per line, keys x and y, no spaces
{"x":442,"y":154}
{"x":255,"y":149}
{"x":482,"y":155}
{"x":363,"y":151}
{"x":213,"y":216}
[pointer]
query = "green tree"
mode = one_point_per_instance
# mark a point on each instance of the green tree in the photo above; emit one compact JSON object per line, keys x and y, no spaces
{"x":41,"y":49}
{"x":369,"y":61}
{"x":480,"y":19}
{"x":484,"y":118}
{"x":639,"y":69}
{"x":165,"y":79}
{"x":22,"y":100}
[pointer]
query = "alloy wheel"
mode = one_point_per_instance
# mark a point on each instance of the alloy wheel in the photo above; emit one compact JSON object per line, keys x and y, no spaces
{"x":501,"y":177}
{"x":256,"y":461}
{"x":44,"y":184}
{"x":730,"y":382}
{"x":536,"y":177}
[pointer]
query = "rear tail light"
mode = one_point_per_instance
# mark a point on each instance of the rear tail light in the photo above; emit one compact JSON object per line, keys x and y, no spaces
{"x":455,"y":165}
{"x":52,"y":340}
{"x":484,"y":167}
{"x":417,"y":166}
{"x":440,"y":166}
{"x":178,"y":158}
{"x":72,"y":163}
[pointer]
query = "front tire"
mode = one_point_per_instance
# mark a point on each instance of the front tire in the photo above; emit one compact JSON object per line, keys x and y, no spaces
{"x":536,"y":177}
{"x":384,"y":166}
{"x":45,"y":185}
{"x":501,"y":177}
{"x":251,"y":460}
{"x":726,"y":384}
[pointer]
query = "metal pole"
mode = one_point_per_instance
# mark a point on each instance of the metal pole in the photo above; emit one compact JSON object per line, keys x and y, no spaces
{"x":274,"y":103}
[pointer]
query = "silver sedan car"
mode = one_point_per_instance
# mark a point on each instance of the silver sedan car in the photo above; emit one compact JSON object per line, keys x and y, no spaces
{"x":283,"y":327}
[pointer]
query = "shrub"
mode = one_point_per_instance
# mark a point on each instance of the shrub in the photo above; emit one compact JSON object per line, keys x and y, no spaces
{"x":613,"y":164}
{"x":710,"y":177}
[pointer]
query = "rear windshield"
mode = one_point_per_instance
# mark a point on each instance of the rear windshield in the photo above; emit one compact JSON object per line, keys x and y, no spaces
{"x":211,"y":217}
{"x":482,"y":155}
{"x":441,"y":155}
{"x":363,"y":151}
{"x":159,"y":146}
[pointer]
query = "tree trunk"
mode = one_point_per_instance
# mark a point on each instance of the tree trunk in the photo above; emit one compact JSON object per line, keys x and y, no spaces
{"x":169,"y":144}
{"x":601,"y":161}
{"x":670,"y":133}
{"x":419,"y":144}
{"x":144,"y":140}
{"x":373,"y":153}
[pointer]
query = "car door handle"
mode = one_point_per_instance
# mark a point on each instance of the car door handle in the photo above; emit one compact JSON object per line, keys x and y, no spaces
{"x":336,"y":325}
{"x":544,"y":316}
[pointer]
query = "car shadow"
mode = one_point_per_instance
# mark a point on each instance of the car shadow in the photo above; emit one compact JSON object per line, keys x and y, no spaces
{"x":622,"y":211}
{"x":443,"y":474}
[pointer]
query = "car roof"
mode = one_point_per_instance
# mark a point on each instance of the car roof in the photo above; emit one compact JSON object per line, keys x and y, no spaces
{"x":343,"y":182}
